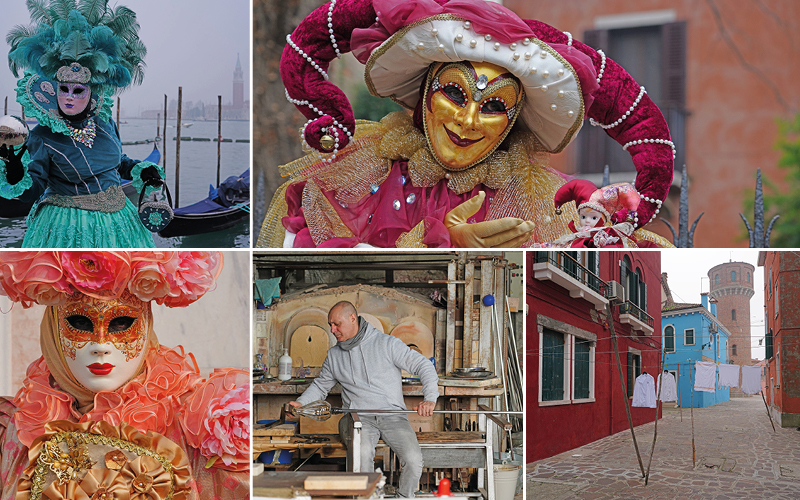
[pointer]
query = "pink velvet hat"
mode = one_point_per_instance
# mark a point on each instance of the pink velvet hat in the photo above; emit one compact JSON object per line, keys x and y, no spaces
{"x":565,"y":81}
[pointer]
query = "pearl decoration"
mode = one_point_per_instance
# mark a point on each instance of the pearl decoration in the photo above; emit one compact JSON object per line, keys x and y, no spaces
{"x":332,"y":130}
{"x":560,"y":93}
{"x":602,"y":65}
{"x":487,"y":37}
{"x":526,"y":42}
{"x":527,"y":56}
{"x":467,"y":25}
{"x":513,"y":46}
{"x":553,"y":107}
{"x":496,"y":45}
{"x":560,"y":72}
{"x":545,"y":74}
{"x":516,"y":56}
{"x":306,"y":57}
{"x":569,"y":38}
{"x":543,"y":55}
{"x":544,"y":88}
{"x":441,"y":47}
{"x":570,"y":113}
{"x":595,"y":123}
{"x":396,"y":204}
{"x":651,"y":141}
{"x":473,"y":43}
{"x":420,"y":45}
{"x":434,"y":32}
{"x":459,"y":37}
{"x":330,"y":28}
{"x":533,"y":70}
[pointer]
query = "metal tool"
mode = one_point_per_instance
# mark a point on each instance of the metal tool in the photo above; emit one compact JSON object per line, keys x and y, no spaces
{"x":322,"y":410}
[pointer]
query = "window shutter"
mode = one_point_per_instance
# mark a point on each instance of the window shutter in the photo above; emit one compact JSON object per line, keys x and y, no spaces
{"x":673,"y":86}
{"x":643,"y":297}
{"x":552,"y":366}
{"x":593,"y":139}
{"x":582,"y":348}
{"x":630,"y":375}
{"x":769,"y":344}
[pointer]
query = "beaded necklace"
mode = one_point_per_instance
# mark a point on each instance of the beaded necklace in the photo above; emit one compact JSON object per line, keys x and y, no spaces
{"x":84,"y":135}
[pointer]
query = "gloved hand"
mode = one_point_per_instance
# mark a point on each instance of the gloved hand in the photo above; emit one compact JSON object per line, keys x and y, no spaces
{"x":508,"y":232}
{"x":14,"y":168}
{"x":150,"y":177}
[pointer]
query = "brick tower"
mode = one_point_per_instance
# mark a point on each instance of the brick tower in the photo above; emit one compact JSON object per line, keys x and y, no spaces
{"x":732,"y":287}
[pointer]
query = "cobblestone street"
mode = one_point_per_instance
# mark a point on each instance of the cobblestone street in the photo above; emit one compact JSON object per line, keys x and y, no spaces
{"x":738,"y":456}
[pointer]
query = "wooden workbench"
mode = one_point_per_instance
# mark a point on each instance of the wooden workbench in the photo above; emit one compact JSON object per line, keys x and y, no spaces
{"x":448,"y":386}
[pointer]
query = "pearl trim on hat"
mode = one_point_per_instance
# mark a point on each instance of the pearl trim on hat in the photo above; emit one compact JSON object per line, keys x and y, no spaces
{"x":307,"y":57}
{"x":602,"y":65}
{"x":650,"y":141}
{"x":595,"y":123}
{"x":330,"y":29}
{"x":332,"y":130}
{"x":569,"y":38}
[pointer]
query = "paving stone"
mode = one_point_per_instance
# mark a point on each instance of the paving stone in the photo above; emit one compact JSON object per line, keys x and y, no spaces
{"x":749,"y":460}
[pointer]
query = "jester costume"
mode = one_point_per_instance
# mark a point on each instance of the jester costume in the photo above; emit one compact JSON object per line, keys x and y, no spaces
{"x":73,"y":164}
{"x":391,"y":184}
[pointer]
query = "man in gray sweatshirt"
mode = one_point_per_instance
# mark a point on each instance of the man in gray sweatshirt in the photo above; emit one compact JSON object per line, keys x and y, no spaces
{"x":368,"y":365}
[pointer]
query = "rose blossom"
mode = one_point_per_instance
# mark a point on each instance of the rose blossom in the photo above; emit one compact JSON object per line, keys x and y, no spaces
{"x":25,"y":276}
{"x":148,"y":281}
{"x":194,"y":276}
{"x":101,"y":275}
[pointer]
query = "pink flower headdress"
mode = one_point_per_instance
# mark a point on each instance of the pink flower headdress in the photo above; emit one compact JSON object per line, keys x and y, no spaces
{"x":175,"y":279}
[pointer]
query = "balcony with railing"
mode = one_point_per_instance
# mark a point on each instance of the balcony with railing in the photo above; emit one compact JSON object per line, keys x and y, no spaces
{"x":564,"y":269}
{"x":631,"y":314}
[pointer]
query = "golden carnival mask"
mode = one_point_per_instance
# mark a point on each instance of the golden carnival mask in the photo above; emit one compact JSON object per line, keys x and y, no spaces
{"x":103,"y":341}
{"x":469,"y":109}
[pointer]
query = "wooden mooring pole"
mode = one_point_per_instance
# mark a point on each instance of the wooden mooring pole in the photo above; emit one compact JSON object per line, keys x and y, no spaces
{"x":178,"y":152}
{"x":219,"y":134}
{"x":164,"y":138}
{"x":610,"y":319}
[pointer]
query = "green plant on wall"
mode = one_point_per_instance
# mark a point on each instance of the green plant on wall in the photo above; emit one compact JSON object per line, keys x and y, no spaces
{"x":784,"y":201}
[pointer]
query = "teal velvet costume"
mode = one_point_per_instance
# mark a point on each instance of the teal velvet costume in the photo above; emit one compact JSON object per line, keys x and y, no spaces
{"x":73,"y":166}
{"x":61,"y":167}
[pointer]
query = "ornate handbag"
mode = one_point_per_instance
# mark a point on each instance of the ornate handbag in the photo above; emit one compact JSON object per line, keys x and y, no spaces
{"x":155,"y":215}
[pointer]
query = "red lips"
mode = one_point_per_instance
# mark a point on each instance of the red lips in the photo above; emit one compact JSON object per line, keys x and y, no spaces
{"x":100,"y":368}
{"x":458,"y":141}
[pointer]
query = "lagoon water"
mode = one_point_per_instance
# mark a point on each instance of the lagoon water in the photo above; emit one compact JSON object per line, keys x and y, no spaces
{"x":198,"y":169}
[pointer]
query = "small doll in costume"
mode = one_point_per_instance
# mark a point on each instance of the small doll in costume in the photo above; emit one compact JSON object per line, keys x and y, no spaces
{"x":490,"y":97}
{"x":602,"y":215}
{"x":107,"y":412}
{"x":75,"y":56}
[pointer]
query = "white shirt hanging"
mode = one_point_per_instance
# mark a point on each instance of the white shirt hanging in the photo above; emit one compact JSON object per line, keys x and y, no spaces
{"x":729,"y":375}
{"x":669,"y":392}
{"x":644,"y":391}
{"x":705,"y":376}
{"x":751,"y":379}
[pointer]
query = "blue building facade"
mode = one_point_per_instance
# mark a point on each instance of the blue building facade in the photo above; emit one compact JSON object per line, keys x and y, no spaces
{"x":690,"y":333}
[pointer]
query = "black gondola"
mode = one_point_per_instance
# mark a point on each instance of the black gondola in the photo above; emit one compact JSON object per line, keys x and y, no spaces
{"x":225,"y":207}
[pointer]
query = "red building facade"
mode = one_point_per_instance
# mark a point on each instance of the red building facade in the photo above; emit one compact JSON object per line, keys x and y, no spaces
{"x":781,"y":295}
{"x":574,"y":395}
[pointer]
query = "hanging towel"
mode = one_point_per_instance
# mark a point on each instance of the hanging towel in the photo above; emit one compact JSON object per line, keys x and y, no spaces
{"x":670,"y":391}
{"x":266,"y":290}
{"x":644,"y":391}
{"x":751,"y":379}
{"x":729,"y":376}
{"x":705,"y":376}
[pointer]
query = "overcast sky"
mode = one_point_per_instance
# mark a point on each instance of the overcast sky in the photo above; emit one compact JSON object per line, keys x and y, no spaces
{"x":687,"y":271}
{"x":190,"y":43}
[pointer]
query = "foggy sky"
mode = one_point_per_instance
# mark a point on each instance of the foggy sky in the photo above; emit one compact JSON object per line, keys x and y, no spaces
{"x":687,"y":271}
{"x":190,"y":43}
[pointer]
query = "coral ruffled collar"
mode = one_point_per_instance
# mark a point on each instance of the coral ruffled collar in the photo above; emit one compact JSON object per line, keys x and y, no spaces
{"x":148,"y":402}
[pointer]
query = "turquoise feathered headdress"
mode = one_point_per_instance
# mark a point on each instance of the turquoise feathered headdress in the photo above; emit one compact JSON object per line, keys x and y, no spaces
{"x":83,"y":40}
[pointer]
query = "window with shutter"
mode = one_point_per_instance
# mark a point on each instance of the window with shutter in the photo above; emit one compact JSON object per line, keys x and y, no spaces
{"x":769,"y":344}
{"x":656,"y":57}
{"x":552,"y":365}
{"x":669,"y":338}
{"x":582,"y":351}
{"x":634,"y":370}
{"x":689,"y":336}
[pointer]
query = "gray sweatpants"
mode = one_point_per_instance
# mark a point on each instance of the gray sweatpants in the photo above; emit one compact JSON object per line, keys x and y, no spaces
{"x":395,"y":432}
